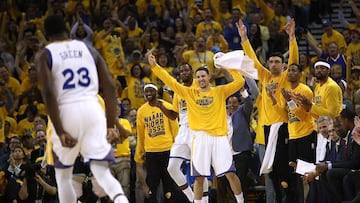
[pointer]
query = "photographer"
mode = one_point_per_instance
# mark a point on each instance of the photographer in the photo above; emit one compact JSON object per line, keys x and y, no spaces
{"x":39,"y":184}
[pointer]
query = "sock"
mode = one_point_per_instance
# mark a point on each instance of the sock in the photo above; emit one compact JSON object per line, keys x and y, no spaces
{"x":197,"y":201}
{"x":120,"y":199}
{"x":239,"y":198}
{"x":189,"y":193}
{"x":205,"y":199}
{"x":107,"y":181}
{"x":65,"y":188}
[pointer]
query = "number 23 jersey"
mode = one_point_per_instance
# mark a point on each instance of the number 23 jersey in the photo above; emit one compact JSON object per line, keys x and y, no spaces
{"x":73,"y":70}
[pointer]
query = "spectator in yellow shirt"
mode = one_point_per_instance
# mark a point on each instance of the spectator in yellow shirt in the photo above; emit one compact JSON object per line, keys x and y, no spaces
{"x":332,"y":35}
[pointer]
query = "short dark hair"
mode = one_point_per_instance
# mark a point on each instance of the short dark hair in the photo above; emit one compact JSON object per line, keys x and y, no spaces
{"x":298,"y":66}
{"x":277,"y":54}
{"x":349,"y":114}
{"x":185,"y":64}
{"x":54,"y":24}
{"x":204,"y":68}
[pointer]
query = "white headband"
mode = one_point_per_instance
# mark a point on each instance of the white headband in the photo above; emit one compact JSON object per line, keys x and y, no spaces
{"x":150,"y":85}
{"x":322,"y":63}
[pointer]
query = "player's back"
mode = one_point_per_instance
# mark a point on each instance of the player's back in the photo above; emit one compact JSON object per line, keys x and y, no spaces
{"x":74,"y":71}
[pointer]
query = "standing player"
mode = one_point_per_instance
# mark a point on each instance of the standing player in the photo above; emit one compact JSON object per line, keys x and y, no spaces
{"x":181,"y":149}
{"x":70,"y":74}
{"x":208,"y":123}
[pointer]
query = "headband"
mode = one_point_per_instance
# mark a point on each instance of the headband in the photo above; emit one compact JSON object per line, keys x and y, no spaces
{"x":150,"y":85}
{"x":322,"y":63}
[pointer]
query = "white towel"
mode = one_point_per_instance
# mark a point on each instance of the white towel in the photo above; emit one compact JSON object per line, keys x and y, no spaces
{"x":266,"y":166}
{"x":236,"y":60}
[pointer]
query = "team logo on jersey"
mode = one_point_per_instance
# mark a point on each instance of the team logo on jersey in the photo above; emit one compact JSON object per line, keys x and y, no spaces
{"x":115,"y":45}
{"x":293,"y":118}
{"x":205,"y":101}
{"x":317,"y":99}
{"x":182,"y":105}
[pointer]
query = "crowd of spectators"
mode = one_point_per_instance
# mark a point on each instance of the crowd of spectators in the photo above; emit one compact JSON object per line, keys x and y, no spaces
{"x":178,"y":32}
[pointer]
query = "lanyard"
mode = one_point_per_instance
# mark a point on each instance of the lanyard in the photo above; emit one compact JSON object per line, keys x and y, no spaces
{"x":197,"y":54}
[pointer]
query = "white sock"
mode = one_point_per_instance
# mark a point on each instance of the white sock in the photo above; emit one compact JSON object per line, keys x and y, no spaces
{"x":107,"y":181}
{"x":197,"y":201}
{"x":65,"y":188}
{"x":239,"y":198}
{"x":189,"y":193}
{"x":205,"y":199}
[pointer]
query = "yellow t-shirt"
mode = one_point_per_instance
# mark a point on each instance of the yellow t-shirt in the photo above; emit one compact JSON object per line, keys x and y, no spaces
{"x":219,"y":41}
{"x":155,"y":131}
{"x":306,"y":75}
{"x":267,"y":112}
{"x":198,"y":59}
{"x":14,"y":86}
{"x":206,"y":29}
{"x":135,"y":91}
{"x":353,"y":53}
{"x":327,"y":100}
{"x":25,"y":126}
{"x":111,"y":49}
{"x":336,"y":37}
{"x":301,"y":123}
{"x":123,"y":149}
{"x":13,"y":124}
{"x":206,"y":109}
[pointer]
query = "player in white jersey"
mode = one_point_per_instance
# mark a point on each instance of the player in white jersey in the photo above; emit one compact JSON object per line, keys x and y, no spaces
{"x":71,"y":74}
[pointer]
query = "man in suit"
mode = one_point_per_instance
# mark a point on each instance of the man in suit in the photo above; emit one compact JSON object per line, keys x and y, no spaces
{"x":333,"y":172}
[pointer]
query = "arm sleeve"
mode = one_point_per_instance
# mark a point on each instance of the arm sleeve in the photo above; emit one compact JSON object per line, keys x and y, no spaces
{"x":342,"y":19}
{"x":140,"y":148}
{"x":248,"y":50}
{"x":164,"y":76}
{"x":73,"y":30}
{"x":248,"y":107}
{"x":333,"y":105}
{"x":294,"y":52}
{"x":253,"y":88}
{"x":236,"y":84}
{"x":90,"y":33}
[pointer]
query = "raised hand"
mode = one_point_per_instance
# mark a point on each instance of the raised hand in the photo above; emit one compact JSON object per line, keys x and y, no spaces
{"x":287,"y":94}
{"x":290,"y":28}
{"x":242,"y":30}
{"x":151,"y":58}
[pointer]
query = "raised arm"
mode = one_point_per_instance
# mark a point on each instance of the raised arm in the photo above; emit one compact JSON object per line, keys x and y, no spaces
{"x":293,"y":46}
{"x":171,"y":114}
{"x":313,"y":44}
{"x":248,"y":50}
{"x":253,"y":88}
{"x":164,"y":76}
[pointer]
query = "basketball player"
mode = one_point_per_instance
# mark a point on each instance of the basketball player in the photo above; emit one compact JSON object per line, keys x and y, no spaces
{"x":207,"y":121}
{"x":71,"y":75}
{"x":181,"y":149}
